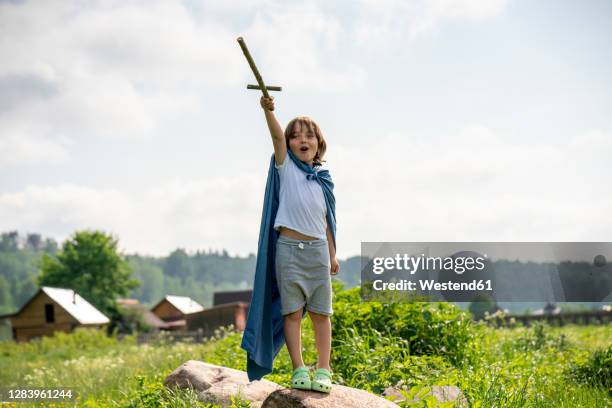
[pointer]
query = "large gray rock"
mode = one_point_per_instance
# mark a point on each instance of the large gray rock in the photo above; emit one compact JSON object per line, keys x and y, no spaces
{"x":215,"y":384}
{"x":339,"y":397}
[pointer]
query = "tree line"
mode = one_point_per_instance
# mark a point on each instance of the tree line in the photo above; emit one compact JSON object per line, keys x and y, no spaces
{"x":90,"y":263}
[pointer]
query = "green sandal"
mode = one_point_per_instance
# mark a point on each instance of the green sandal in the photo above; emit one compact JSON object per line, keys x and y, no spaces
{"x":300,"y":378}
{"x":322,"y":380}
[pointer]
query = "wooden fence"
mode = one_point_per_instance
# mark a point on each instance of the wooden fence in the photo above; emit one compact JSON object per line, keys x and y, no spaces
{"x":197,"y":336}
{"x":561,"y":319}
{"x":599,"y":317}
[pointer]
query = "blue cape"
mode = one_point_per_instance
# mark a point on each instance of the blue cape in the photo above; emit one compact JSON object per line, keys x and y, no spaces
{"x":263,"y":335}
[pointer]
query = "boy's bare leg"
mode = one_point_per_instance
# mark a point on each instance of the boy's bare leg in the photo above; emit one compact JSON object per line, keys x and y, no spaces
{"x":293,"y":337}
{"x":322,"y":328}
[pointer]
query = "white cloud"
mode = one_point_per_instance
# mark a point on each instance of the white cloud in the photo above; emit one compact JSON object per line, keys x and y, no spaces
{"x":218,"y":213}
{"x":233,"y":6}
{"x":299,"y":45}
{"x":119,"y":70}
{"x":381,"y":22}
{"x":60,"y":209}
{"x":20,"y":146}
{"x":476,"y":185}
{"x":124,"y":69}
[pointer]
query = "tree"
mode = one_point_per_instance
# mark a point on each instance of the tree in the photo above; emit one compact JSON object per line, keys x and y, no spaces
{"x":132,"y":320}
{"x":34,"y":242}
{"x":50,"y":246}
{"x":6,"y":300}
{"x":482,"y":303}
{"x":178,"y":264}
{"x":89,"y":263}
{"x":25,"y":290}
{"x":152,"y":278}
{"x":9,"y":241}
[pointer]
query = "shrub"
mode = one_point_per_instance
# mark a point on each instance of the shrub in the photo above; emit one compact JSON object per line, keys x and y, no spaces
{"x":425,"y":329}
{"x":372,"y":361}
{"x":64,"y":344}
{"x":596,"y":371}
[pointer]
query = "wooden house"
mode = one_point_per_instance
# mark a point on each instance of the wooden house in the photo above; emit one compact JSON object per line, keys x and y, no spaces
{"x":210,"y":319}
{"x":230,"y":307}
{"x":54,"y":309}
{"x":174,"y":309}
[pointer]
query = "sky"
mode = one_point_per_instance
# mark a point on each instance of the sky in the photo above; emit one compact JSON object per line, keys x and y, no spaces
{"x":465,"y":120}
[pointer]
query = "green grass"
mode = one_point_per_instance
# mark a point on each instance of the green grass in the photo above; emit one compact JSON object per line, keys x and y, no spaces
{"x":529,"y":367}
{"x":494,"y":367}
{"x":103,"y":371}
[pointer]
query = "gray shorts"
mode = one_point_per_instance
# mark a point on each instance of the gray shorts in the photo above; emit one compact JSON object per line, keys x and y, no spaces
{"x":303,"y":275}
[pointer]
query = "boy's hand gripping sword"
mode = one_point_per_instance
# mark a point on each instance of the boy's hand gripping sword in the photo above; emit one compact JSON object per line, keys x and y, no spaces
{"x":261,"y":85}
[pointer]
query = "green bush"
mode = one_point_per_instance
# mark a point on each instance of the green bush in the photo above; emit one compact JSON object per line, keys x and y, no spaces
{"x":596,"y":371}
{"x":370,"y":355}
{"x":373,"y":361}
{"x":64,"y":344}
{"x":422,"y":329}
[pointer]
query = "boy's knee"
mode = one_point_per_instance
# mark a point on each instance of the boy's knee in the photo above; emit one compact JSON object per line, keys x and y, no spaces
{"x":295,"y":316}
{"x":317,"y":317}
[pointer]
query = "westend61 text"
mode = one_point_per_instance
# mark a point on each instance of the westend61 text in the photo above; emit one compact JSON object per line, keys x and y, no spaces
{"x":430,"y":284}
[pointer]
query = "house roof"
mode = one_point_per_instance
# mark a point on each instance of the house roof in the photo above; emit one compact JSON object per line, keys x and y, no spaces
{"x":74,"y":304}
{"x":127,"y":302}
{"x":176,"y":323}
{"x":220,"y":298}
{"x":184,"y":304}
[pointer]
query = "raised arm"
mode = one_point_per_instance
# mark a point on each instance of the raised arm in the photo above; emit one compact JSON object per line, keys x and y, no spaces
{"x":278,"y":137}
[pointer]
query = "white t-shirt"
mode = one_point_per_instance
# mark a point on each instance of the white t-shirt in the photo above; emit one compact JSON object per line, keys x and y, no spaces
{"x":301,"y":204}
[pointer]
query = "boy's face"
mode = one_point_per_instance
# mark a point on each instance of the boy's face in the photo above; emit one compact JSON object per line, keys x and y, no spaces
{"x":303,"y":143}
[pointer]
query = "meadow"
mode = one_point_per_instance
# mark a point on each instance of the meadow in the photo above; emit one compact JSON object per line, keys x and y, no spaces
{"x":375,"y":345}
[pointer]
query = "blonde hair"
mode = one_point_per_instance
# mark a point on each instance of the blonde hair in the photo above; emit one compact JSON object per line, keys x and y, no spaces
{"x":313,"y":127}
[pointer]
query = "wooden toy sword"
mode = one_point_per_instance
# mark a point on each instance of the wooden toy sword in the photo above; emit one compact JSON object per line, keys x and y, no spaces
{"x":261,"y":85}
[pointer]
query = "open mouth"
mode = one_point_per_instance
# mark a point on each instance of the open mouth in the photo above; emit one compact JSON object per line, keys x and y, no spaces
{"x":303,"y":149}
